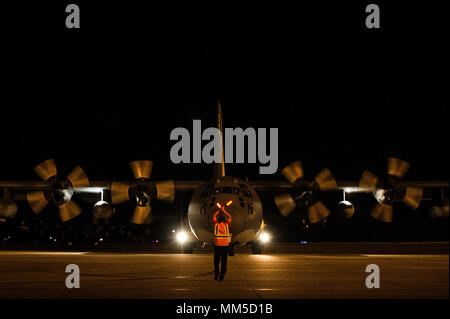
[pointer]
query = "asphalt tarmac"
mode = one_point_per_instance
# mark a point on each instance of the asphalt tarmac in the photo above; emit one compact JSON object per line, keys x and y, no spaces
{"x":299,"y":275}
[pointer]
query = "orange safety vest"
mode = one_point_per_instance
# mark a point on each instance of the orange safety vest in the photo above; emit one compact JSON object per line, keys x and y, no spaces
{"x":221,"y":234}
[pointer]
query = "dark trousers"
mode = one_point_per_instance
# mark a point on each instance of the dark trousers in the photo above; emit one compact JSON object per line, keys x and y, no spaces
{"x":220,"y":256}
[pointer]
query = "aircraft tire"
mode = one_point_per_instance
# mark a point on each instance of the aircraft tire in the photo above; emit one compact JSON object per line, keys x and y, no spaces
{"x":231,"y":250}
{"x":188,"y":249}
{"x":256,"y":249}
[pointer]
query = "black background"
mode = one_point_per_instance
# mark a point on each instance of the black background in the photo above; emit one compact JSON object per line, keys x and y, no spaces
{"x":342,"y":96}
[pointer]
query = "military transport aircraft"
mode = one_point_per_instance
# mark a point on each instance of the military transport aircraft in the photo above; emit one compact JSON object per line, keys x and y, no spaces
{"x":238,"y":197}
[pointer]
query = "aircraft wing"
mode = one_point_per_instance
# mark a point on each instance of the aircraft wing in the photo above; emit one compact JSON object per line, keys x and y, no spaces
{"x":40,"y":194}
{"x":282,"y":186}
{"x":190,"y":185}
{"x":350,"y":186}
{"x":287,"y":196}
{"x":19,"y":188}
{"x":97,"y":187}
{"x":25,"y":185}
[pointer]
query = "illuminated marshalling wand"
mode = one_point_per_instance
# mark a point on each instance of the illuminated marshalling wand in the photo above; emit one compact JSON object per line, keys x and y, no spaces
{"x":223,"y":207}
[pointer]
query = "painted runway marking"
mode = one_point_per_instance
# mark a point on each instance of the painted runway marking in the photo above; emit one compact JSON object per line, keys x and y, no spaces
{"x":51,"y":253}
{"x":403,"y":256}
{"x":180,"y":289}
{"x":265,"y":289}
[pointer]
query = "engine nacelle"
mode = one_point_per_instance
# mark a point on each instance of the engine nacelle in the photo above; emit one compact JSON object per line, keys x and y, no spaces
{"x":440,"y":209}
{"x":102,"y":210}
{"x":345,"y":210}
{"x":8,"y":208}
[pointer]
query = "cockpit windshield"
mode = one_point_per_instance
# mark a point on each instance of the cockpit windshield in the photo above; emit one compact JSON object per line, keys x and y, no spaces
{"x":211,"y":190}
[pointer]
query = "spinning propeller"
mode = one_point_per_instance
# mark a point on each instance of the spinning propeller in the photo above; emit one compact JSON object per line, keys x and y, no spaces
{"x":142,"y":191}
{"x":386,"y":193}
{"x":61,"y":190}
{"x":305,"y":194}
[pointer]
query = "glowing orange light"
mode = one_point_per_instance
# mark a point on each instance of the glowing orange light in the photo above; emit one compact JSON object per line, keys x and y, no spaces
{"x":218,"y":205}
{"x":229,"y":203}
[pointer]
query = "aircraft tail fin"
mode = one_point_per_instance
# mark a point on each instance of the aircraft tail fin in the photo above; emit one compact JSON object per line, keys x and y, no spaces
{"x":219,"y":168}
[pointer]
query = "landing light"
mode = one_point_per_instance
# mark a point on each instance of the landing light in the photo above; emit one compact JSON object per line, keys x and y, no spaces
{"x":181,"y":237}
{"x":264,"y":238}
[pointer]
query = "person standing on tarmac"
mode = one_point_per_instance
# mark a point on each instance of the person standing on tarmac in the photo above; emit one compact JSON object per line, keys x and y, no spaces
{"x":221,"y":242}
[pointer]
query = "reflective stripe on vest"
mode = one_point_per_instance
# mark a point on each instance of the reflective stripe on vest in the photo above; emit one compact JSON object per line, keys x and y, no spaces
{"x":221,"y":234}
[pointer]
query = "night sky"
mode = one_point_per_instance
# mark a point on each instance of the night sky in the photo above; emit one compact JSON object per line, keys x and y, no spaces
{"x":341,"y":95}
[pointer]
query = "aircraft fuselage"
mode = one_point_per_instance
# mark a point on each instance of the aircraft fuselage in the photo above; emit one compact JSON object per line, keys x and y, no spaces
{"x":245,"y":209}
